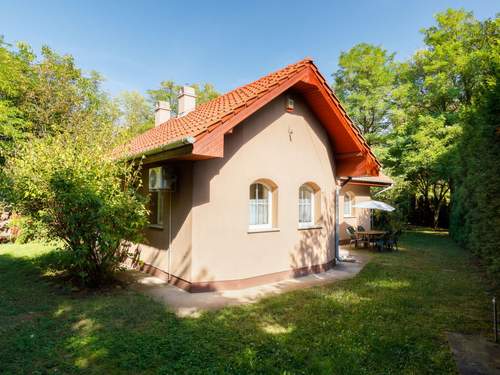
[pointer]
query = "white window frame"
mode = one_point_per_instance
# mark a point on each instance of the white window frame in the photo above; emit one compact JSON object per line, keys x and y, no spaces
{"x":160,"y":209}
{"x":312,"y":221}
{"x":269,"y":223}
{"x":351,"y":202}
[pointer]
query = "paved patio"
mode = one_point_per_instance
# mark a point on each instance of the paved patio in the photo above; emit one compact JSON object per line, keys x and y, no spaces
{"x":191,"y":304}
{"x":475,"y":355}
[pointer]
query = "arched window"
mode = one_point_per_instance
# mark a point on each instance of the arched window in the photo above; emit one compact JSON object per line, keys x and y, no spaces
{"x":261,"y":206}
{"x":306,"y":206}
{"x":348,"y":203}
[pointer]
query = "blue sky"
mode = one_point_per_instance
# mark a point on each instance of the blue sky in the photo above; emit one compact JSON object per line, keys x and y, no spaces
{"x":137,"y":44}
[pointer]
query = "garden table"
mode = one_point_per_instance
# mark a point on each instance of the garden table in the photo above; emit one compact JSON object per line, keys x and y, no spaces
{"x":370,"y":234}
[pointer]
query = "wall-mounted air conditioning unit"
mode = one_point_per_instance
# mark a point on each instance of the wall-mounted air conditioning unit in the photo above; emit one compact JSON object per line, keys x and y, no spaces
{"x":162,"y":178}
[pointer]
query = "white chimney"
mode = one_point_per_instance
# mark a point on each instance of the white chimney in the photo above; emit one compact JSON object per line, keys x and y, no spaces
{"x":162,"y":112}
{"x":187,"y":100}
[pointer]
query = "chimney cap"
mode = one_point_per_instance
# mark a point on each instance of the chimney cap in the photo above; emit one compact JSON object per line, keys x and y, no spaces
{"x":187,"y":90}
{"x":162,"y":105}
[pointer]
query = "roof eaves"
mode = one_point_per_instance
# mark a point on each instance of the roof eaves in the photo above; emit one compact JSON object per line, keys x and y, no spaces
{"x":181,"y":142}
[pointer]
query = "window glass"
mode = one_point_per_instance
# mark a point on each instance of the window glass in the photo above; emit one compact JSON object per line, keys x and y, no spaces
{"x":347,"y":205}
{"x":260,"y":205}
{"x":306,"y":206}
{"x":156,"y":207}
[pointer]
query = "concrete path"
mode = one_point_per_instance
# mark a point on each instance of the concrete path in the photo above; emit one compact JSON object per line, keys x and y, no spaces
{"x":475,"y":355}
{"x":191,"y":304}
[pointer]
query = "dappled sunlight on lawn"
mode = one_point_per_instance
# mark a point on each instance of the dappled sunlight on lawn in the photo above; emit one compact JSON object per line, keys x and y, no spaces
{"x":85,"y":362}
{"x":276,"y":329}
{"x":389,"y":284}
{"x":64,"y":308}
{"x":345,"y":297}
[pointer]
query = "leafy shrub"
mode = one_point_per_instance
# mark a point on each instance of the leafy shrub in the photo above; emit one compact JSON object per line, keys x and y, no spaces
{"x":28,"y":230}
{"x":83,"y":197}
{"x":475,"y":209}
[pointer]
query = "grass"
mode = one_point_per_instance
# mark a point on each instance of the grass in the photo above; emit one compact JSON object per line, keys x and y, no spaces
{"x":390,"y":319}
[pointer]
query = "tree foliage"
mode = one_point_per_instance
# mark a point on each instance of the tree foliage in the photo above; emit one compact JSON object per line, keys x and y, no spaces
{"x":418,"y":106}
{"x":437,"y":87}
{"x":135,"y":113}
{"x":475,"y":214}
{"x":85,"y":199}
{"x":364,"y":83}
{"x":439,"y":132}
{"x":46,"y":96}
{"x":57,"y":128}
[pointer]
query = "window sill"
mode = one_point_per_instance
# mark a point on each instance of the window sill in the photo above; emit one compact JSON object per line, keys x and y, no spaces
{"x":350,"y":217}
{"x":307,"y":227}
{"x":155,"y":226}
{"x":262,"y":230}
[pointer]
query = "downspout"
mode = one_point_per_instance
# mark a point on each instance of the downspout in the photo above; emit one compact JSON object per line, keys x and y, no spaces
{"x":338,"y":187}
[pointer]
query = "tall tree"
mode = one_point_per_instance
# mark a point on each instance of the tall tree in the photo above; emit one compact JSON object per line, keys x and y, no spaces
{"x":167,"y":92}
{"x":14,"y":82}
{"x":474,"y":221}
{"x":204,"y":92}
{"x":135,"y":112}
{"x":44,"y":96}
{"x":364,"y":83}
{"x":435,"y":89}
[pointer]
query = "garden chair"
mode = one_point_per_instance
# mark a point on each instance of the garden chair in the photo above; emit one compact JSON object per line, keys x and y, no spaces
{"x":351,"y":232}
{"x":395,"y":239}
{"x":363,"y":238}
{"x":391,"y":240}
{"x":383,"y":242}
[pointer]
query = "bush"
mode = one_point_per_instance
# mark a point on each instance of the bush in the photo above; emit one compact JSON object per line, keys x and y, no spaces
{"x":475,"y":209}
{"x":27,"y":230}
{"x":84,"y":199}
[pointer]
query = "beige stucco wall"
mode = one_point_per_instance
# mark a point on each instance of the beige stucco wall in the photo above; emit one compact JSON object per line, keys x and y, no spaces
{"x":155,"y":249}
{"x":287,"y":148}
{"x":359,"y":216}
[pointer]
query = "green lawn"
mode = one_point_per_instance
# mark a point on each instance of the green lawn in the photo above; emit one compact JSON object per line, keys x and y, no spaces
{"x":390,"y":319}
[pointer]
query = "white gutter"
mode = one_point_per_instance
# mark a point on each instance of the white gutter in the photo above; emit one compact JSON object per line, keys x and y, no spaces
{"x":185,"y":141}
{"x":385,"y":189}
{"x":338,"y":187}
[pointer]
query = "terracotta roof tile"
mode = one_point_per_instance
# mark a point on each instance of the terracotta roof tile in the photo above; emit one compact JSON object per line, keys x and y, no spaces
{"x":210,"y":113}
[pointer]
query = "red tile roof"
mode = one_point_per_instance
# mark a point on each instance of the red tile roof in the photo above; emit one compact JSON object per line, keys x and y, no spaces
{"x":208,"y":123}
{"x":210,"y":113}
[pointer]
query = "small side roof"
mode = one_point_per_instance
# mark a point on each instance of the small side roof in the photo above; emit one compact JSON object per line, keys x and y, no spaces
{"x":200,"y":133}
{"x":380,"y":180}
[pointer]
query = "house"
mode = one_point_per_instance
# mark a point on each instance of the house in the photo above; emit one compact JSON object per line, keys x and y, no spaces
{"x":356,"y":190}
{"x":243,"y":188}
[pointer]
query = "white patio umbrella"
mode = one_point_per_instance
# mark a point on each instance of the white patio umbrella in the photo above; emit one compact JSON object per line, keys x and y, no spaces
{"x":374,"y":205}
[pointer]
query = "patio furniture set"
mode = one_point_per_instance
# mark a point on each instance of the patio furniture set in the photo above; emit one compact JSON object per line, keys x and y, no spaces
{"x":375,"y":239}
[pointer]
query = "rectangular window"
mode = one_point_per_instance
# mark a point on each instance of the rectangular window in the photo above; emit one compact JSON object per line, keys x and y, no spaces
{"x":260,"y":206}
{"x":306,"y":209}
{"x":156,"y":208}
{"x":347,"y":205}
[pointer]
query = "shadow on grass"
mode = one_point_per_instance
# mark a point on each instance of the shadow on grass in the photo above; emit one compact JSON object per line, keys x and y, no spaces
{"x":388,"y":319}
